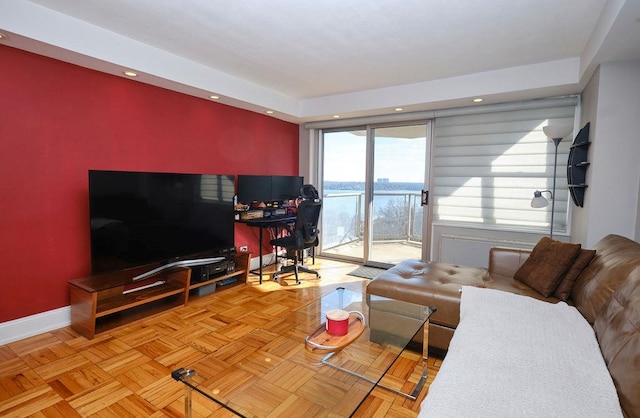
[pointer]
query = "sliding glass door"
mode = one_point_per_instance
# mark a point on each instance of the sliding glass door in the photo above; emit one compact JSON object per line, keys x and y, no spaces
{"x":373,"y":178}
{"x":343,"y":193}
{"x":399,"y":176}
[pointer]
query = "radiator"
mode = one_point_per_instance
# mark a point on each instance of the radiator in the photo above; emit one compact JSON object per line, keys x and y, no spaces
{"x":473,"y":251}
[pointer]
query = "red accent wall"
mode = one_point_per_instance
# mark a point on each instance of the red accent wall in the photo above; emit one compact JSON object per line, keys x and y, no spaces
{"x":58,"y":120}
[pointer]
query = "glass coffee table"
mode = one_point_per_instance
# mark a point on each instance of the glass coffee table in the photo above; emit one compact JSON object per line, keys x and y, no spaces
{"x":277,"y":372}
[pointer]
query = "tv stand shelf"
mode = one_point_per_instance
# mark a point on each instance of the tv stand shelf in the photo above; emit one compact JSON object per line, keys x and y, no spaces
{"x":122,"y":302}
{"x":103,"y":302}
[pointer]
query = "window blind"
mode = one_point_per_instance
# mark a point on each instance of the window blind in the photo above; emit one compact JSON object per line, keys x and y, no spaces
{"x":486,"y":167}
{"x":217,"y":188}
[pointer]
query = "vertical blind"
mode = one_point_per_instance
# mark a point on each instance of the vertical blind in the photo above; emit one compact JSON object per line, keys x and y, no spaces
{"x":486,"y":167}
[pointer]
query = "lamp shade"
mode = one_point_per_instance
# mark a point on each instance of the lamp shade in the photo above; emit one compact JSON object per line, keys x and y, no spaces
{"x":556,"y":131}
{"x":538,"y":200}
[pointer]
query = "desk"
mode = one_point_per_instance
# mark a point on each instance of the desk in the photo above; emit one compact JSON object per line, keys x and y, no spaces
{"x":264,"y":223}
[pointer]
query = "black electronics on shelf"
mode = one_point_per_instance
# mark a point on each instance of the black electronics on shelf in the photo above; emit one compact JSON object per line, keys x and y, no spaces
{"x":577,"y":166}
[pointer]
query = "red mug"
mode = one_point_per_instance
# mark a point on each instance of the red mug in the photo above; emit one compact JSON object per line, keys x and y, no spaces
{"x":337,"y":322}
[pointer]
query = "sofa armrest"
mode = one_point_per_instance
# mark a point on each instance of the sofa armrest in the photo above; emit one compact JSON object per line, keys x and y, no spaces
{"x":504,"y":262}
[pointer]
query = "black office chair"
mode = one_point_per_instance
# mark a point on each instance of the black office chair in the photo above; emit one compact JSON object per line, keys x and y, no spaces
{"x":304,"y":235}
{"x":309,"y":192}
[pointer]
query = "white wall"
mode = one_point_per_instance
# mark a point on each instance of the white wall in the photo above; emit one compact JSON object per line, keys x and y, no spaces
{"x":612,"y":201}
{"x":470,"y":246}
{"x":588,"y":107}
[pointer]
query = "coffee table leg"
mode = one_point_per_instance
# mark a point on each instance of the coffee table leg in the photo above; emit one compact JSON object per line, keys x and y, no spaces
{"x":423,"y":378}
{"x":425,"y":361}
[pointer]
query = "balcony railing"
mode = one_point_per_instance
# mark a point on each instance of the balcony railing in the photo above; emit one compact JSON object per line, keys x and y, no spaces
{"x":397,"y":216}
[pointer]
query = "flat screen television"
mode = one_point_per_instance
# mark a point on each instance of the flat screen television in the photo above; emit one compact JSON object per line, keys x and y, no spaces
{"x":268,"y":188}
{"x":140,"y":218}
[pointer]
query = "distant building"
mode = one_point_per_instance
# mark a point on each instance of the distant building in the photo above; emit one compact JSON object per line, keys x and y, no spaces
{"x":383,"y":180}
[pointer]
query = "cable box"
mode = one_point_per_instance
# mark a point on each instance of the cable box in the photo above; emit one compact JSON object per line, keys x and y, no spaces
{"x":211,"y":271}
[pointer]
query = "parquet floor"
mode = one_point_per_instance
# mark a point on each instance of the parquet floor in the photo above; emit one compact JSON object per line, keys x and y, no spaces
{"x":126,"y":372}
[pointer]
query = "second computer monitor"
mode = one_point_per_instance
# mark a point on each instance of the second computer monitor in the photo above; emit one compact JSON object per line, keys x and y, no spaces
{"x":268,"y":188}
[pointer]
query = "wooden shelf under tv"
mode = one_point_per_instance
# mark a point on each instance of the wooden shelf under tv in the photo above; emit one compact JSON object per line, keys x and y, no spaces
{"x":103,"y":302}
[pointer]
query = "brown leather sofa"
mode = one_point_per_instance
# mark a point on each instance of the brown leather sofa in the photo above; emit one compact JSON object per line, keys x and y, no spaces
{"x":606,"y":292}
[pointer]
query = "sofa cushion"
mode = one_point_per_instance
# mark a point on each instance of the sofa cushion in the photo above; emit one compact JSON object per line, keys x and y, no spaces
{"x":547,"y":264}
{"x":428,"y":284}
{"x":617,"y":328}
{"x":616,"y":257}
{"x":505,"y":261}
{"x":563,"y":291}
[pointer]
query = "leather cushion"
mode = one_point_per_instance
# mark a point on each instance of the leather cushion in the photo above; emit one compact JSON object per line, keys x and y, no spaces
{"x":428,"y":284}
{"x":563,"y":291}
{"x":617,"y":327}
{"x":547,"y":264}
{"x":616,"y":257}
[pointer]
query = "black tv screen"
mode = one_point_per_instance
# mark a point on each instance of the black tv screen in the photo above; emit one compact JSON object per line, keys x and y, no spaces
{"x":140,"y":218}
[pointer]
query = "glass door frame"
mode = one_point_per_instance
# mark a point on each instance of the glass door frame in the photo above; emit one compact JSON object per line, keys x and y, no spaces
{"x":369,"y":184}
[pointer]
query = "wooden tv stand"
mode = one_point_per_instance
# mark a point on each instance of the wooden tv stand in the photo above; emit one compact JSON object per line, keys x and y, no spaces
{"x":105,"y":301}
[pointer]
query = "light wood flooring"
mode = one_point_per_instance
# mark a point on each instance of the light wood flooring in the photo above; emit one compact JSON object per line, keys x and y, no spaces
{"x":126,"y":372}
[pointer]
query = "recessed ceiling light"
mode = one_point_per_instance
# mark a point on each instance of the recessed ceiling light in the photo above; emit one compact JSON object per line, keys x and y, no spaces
{"x":269,"y":112}
{"x":398,"y":109}
{"x":478,"y":100}
{"x":336,"y":116}
{"x":130,"y":74}
{"x":3,"y":36}
{"x":214,"y":97}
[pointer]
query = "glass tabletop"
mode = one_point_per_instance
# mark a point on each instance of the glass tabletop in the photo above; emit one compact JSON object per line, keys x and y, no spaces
{"x":274,"y":372}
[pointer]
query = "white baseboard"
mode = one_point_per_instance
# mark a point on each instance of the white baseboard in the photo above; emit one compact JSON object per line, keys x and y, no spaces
{"x":29,"y":326}
{"x":267,"y":259}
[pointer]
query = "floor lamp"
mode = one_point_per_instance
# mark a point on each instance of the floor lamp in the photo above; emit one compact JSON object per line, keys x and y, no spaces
{"x":555,"y":133}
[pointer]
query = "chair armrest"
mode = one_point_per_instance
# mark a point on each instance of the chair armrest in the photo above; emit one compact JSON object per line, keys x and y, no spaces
{"x":504,"y":262}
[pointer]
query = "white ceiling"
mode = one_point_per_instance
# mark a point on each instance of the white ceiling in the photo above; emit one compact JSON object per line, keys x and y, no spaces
{"x":309,"y":60}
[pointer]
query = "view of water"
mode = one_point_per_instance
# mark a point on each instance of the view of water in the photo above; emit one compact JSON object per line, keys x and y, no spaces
{"x":395,"y":212}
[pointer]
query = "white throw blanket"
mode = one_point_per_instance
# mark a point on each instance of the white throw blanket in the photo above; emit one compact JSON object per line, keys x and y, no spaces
{"x":515,"y":356}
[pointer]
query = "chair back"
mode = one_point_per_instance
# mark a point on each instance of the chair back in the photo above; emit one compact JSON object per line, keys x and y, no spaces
{"x":306,"y":229}
{"x":309,"y":192}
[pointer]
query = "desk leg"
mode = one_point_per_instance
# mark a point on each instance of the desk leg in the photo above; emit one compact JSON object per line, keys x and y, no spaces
{"x":260,"y":246}
{"x":259,"y":272}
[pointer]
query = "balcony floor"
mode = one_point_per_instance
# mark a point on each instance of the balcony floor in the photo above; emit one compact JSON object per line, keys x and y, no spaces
{"x":391,"y":252}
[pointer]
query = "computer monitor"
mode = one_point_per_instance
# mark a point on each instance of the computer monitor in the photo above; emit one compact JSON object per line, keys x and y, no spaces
{"x":253,"y":188}
{"x":285,"y":187}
